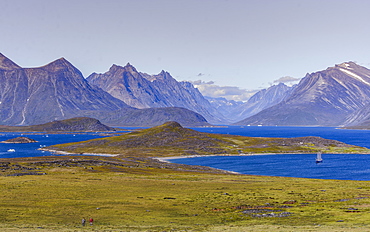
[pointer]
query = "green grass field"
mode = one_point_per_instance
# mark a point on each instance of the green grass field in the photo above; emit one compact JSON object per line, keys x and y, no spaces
{"x":122,"y":198}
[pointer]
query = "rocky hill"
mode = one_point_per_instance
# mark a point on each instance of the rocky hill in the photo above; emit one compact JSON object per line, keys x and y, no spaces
{"x":20,"y":140}
{"x":325,"y":98}
{"x":152,"y":117}
{"x":142,"y":90}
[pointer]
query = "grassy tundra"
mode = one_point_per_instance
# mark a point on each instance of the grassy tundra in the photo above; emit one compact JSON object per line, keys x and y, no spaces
{"x":132,"y":192}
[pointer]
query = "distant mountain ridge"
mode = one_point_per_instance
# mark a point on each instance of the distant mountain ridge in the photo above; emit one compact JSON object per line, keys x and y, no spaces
{"x":264,"y":99}
{"x":228,"y":108}
{"x":324,"y":98}
{"x":141,"y":90}
{"x":72,"y":124}
{"x":337,"y":96}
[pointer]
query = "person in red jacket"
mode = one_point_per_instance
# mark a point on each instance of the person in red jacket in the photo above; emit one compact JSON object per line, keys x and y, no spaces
{"x":91,"y":221}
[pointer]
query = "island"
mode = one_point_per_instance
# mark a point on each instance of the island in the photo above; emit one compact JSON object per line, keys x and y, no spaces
{"x":78,"y":124}
{"x":20,"y":140}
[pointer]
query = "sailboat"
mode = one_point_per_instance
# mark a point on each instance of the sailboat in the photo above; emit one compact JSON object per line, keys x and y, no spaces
{"x":318,"y":158}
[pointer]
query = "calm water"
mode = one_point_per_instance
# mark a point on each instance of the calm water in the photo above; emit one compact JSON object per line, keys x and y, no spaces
{"x":30,"y":149}
{"x":335,"y":166}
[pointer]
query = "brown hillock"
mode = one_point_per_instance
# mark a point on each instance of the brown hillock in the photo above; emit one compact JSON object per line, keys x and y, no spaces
{"x":20,"y":140}
{"x":72,"y":124}
{"x":171,"y":138}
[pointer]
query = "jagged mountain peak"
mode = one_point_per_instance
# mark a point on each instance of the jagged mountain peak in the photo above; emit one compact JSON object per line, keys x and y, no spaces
{"x":128,"y":67}
{"x":163,"y":75}
{"x":58,"y":64}
{"x":7,"y":64}
{"x":347,"y":65}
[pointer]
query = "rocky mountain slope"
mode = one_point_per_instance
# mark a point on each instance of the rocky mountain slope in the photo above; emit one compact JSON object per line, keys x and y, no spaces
{"x":359,"y":119}
{"x":142,"y":90}
{"x":324,"y":98}
{"x":55,"y":91}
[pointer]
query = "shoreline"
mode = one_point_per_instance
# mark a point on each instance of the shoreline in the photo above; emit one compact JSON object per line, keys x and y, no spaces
{"x":167,"y":159}
{"x":82,"y":154}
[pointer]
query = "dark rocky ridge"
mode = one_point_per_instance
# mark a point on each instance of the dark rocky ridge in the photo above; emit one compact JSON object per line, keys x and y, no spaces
{"x":152,"y":117}
{"x":73,"y":124}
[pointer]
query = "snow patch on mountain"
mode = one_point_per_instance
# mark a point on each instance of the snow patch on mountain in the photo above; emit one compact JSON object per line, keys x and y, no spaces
{"x":354,"y":75}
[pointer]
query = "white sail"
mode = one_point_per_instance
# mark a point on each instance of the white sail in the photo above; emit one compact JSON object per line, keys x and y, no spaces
{"x":318,"y":157}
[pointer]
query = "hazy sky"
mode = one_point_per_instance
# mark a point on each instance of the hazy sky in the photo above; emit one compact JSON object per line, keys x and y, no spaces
{"x":244,"y":43}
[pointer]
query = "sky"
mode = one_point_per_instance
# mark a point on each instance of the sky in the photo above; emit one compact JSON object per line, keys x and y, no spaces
{"x":248,"y":44}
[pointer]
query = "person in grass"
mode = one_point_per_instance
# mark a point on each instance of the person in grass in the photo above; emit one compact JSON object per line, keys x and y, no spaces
{"x":91,"y":221}
{"x":83,"y":221}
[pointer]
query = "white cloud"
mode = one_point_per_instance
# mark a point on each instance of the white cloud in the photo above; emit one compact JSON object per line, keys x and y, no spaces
{"x":210,"y":89}
{"x":286,"y":79}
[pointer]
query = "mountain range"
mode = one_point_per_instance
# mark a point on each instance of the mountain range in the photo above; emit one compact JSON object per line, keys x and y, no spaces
{"x":326,"y":98}
{"x":58,"y":90}
{"x":141,"y":90}
{"x":123,"y":96}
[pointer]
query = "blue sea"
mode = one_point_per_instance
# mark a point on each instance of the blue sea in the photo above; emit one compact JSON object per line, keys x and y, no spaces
{"x":335,"y":166}
{"x":43,"y":140}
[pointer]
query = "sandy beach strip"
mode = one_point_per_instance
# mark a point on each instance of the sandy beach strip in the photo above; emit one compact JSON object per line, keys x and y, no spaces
{"x":82,"y":154}
{"x":168,"y":159}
